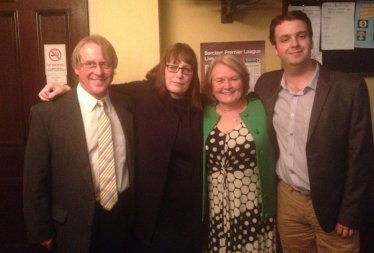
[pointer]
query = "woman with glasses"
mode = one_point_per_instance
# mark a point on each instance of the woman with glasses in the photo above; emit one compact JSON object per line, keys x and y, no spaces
{"x":168,"y":135}
{"x":168,"y":190}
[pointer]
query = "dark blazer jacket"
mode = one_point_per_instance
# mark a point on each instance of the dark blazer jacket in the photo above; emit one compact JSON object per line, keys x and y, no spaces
{"x":339,"y":146}
{"x":59,"y":199}
{"x":156,"y":124}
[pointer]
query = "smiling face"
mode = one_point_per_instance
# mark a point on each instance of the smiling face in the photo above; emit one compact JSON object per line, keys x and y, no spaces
{"x":177,"y":83}
{"x":293,"y":43}
{"x":227,"y":86}
{"x":95,"y":81}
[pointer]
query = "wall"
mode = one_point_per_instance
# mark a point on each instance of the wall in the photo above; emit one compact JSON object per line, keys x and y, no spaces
{"x":196,"y":21}
{"x":140,"y":29}
{"x":133,"y":29}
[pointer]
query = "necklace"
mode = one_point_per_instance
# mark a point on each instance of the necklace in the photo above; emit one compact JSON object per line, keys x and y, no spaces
{"x":234,"y":113}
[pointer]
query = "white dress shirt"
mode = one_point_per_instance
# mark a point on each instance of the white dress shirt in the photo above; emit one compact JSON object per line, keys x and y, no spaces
{"x":90,"y":119}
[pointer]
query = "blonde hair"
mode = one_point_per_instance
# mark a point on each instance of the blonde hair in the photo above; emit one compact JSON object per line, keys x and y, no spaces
{"x":106,"y":47}
{"x":234,"y":63}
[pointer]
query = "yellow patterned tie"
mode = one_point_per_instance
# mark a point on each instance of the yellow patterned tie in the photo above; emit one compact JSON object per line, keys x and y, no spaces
{"x":108,"y":187}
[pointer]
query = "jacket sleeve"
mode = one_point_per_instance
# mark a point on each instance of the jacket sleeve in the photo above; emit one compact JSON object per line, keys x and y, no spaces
{"x":360,"y":160}
{"x":36,"y":181}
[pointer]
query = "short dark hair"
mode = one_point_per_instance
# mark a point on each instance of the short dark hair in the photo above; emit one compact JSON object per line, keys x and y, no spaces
{"x":289,"y":16}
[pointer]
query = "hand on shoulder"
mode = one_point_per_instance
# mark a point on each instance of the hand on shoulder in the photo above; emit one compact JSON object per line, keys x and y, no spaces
{"x":52,"y":90}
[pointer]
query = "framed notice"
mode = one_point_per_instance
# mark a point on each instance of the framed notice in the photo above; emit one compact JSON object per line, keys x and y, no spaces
{"x":55,"y":63}
{"x":251,"y":52}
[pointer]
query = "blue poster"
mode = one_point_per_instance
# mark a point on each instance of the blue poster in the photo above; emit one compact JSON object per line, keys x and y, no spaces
{"x":364,"y":24}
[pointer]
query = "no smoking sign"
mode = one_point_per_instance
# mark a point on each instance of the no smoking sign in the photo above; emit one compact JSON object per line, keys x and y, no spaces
{"x":55,"y":54}
{"x":55,"y":63}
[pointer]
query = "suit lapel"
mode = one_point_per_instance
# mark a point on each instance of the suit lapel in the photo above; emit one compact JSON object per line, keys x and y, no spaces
{"x":270,"y":94}
{"x":322,"y":92}
{"x":269,"y":98}
{"x":124,"y":110}
{"x":74,"y":128}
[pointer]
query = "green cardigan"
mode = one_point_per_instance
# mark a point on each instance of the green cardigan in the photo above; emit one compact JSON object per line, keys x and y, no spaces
{"x":255,"y":119}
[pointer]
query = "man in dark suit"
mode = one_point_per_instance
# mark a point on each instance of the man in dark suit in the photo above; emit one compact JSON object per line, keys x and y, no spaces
{"x":320,"y":123}
{"x":63,"y":191}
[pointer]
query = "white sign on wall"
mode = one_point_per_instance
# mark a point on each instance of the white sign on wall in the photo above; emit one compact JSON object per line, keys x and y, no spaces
{"x":55,"y":63}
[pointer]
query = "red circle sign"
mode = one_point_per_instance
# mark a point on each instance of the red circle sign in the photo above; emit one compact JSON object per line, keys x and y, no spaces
{"x":55,"y":54}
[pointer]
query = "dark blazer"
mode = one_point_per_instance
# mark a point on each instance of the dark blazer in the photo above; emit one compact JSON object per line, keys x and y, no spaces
{"x":339,"y":146}
{"x":156,"y":124}
{"x":59,"y":198}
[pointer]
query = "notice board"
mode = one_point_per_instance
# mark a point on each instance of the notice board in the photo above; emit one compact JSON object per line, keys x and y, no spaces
{"x":359,"y":61}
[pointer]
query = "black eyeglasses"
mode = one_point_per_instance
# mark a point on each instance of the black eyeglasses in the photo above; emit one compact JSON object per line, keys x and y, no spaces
{"x":175,"y":69}
{"x":92,"y":65}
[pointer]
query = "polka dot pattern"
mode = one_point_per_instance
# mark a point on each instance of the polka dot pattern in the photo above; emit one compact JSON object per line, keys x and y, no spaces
{"x":234,"y":195}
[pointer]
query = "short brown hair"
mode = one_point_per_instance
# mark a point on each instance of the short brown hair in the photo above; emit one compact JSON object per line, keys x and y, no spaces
{"x":234,"y":63}
{"x":289,"y":16}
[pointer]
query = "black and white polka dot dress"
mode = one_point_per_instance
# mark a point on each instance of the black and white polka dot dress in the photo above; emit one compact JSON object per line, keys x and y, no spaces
{"x":234,"y":195}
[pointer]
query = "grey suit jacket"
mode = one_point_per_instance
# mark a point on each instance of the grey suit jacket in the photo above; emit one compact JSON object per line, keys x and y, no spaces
{"x":59,"y":200}
{"x":339,"y":146}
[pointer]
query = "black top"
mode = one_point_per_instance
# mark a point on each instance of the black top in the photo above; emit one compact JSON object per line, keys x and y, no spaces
{"x":168,"y":169}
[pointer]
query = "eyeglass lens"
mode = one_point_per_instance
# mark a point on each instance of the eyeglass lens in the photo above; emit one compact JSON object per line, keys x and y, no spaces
{"x":93,"y":65}
{"x":175,"y":69}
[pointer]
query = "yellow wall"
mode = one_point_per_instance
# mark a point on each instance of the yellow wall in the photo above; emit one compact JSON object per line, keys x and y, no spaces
{"x":133,"y":29}
{"x":197,"y":21}
{"x":140,"y":29}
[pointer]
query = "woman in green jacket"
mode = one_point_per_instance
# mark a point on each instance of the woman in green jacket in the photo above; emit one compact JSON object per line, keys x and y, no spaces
{"x":239,"y":163}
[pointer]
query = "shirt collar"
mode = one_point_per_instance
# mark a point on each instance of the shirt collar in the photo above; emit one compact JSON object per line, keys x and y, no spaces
{"x":89,"y":101}
{"x":312,"y":82}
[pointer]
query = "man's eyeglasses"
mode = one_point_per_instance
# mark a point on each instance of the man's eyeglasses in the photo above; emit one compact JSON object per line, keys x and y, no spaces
{"x":175,"y":69}
{"x":92,"y":65}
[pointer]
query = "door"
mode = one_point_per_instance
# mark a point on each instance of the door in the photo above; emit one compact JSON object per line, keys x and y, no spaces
{"x":25,"y":26}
